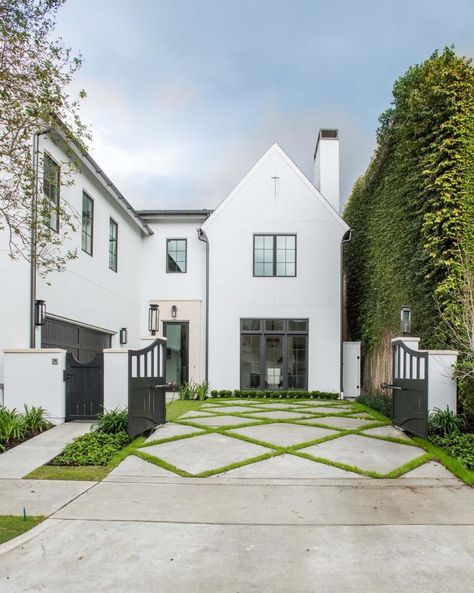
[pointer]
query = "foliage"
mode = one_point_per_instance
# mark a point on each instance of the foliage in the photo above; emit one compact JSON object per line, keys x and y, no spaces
{"x":93,"y":448}
{"x":34,"y":420}
{"x":466,"y":395}
{"x":86,"y":473}
{"x":35,"y":75}
{"x":444,"y":422}
{"x":12,"y":526}
{"x":112,"y":421}
{"x":202,"y":390}
{"x":460,"y":446}
{"x":412,"y":211}
{"x":16,"y":427}
{"x":380,"y":403}
{"x":177,"y":408}
{"x":192,"y":390}
{"x":254,"y":394}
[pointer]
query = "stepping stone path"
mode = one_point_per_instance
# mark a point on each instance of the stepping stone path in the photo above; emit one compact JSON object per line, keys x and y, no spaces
{"x":297,"y":439}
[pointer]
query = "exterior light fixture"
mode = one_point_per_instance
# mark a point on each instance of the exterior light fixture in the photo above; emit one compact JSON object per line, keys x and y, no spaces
{"x":153,"y":318}
{"x":174,"y":311}
{"x":405,"y":320}
{"x":123,"y":336}
{"x":40,"y":312}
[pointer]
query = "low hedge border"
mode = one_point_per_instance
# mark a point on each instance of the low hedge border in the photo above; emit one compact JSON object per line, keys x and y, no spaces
{"x":238,"y":393}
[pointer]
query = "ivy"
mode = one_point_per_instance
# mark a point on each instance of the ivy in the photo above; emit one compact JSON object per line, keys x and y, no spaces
{"x":412,"y":211}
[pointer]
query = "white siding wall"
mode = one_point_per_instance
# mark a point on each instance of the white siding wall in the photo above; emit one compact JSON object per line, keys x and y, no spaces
{"x":186,"y":291}
{"x":315,"y":293}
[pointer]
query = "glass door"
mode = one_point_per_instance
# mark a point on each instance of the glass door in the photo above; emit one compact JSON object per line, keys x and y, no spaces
{"x":177,"y":351}
{"x":274,"y":362}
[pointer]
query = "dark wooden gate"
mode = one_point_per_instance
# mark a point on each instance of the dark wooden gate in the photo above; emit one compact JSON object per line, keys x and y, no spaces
{"x":146,"y":387}
{"x":84,"y":387}
{"x":410,"y":389}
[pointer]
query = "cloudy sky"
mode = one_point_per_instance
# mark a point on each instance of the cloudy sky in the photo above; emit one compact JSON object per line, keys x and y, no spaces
{"x":185,"y":95}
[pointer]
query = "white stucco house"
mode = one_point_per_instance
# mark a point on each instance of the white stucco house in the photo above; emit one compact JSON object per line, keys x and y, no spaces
{"x":249,"y":294}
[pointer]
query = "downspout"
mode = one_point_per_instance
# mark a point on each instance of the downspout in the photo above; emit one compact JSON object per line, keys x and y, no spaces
{"x":345,"y":239}
{"x":34,"y":215}
{"x":202,"y":237}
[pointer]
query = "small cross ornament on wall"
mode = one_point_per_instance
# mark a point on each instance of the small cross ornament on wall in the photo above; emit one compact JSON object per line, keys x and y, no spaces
{"x":276,"y":182}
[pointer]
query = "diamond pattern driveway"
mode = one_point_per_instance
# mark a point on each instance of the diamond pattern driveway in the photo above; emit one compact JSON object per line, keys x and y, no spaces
{"x":282,"y":439}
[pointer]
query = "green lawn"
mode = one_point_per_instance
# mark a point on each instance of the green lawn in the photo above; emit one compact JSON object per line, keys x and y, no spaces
{"x":11,"y":526}
{"x":93,"y":473}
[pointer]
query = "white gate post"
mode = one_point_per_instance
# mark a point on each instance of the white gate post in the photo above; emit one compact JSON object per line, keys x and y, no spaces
{"x":115,"y":378}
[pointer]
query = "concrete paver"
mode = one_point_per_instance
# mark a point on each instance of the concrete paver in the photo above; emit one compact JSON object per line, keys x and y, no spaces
{"x":280,"y":415}
{"x":222,"y":421}
{"x":38,"y":497}
{"x":170,"y":430}
{"x":365,"y":453}
{"x":23,"y":459}
{"x":231,"y":409}
{"x":283,"y":434}
{"x":339,"y":422}
{"x":288,"y":467}
{"x":206,"y":452}
{"x":387,"y":431}
{"x":278,"y":559}
{"x":136,"y":467}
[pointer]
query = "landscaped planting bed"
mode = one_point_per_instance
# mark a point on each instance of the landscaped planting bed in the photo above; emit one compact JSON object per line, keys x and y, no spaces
{"x":16,"y":427}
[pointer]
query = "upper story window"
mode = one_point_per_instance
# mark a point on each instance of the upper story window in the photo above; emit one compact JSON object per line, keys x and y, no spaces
{"x":176,"y":255}
{"x":51,"y":172}
{"x":113,"y":244}
{"x":87,"y":223}
{"x":274,"y":255}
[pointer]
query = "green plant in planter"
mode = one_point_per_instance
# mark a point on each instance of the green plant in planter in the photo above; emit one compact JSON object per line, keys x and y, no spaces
{"x":12,"y":426}
{"x":202,"y":390}
{"x":112,"y":421}
{"x":444,"y":422}
{"x":34,"y":420}
{"x":93,"y":448}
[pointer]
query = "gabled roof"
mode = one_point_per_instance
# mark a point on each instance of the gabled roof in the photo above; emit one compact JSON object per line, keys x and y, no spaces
{"x":275,"y":148}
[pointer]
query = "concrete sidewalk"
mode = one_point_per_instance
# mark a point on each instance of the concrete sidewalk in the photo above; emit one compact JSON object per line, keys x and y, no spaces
{"x":23,"y":459}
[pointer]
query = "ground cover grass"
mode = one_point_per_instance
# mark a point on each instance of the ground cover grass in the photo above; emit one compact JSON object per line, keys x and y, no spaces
{"x":12,"y":526}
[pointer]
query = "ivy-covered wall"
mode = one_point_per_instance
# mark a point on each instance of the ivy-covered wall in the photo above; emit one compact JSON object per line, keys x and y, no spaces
{"x":412,"y":211}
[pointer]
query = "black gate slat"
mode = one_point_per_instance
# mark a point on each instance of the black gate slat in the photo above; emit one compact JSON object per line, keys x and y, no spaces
{"x":84,"y":387}
{"x":410,"y":396}
{"x":146,"y":390}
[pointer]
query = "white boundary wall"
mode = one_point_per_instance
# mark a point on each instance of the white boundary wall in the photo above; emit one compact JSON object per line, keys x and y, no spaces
{"x":36,"y":378}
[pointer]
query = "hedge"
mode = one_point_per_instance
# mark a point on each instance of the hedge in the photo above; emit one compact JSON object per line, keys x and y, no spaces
{"x":274,"y":394}
{"x":412,"y":212}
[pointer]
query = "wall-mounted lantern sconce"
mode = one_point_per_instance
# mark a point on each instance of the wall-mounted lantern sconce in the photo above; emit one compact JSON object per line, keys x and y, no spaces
{"x":123,"y":336}
{"x":153,"y":319}
{"x":40,"y":312}
{"x":174,"y":311}
{"x":405,"y":320}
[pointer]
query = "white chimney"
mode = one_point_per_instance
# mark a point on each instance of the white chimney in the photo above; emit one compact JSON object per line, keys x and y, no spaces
{"x":326,"y":166}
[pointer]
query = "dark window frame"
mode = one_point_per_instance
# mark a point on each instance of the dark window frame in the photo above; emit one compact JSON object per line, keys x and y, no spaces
{"x":86,"y":195}
{"x":56,"y":207}
{"x":185,"y":271}
{"x":274,"y":274}
{"x":113,"y":224}
{"x":285,"y":333}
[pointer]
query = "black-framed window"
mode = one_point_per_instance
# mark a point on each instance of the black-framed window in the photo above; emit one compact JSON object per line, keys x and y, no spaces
{"x":176,"y":255}
{"x":274,"y":255}
{"x":51,"y":182}
{"x":87,"y":223}
{"x":113,"y":245}
{"x":274,"y":354}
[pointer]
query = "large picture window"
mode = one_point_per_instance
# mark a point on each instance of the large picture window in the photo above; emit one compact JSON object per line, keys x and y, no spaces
{"x":176,"y":256}
{"x":113,"y":245}
{"x":274,"y":354}
{"x":87,"y":223}
{"x":274,"y":255}
{"x":51,"y":171}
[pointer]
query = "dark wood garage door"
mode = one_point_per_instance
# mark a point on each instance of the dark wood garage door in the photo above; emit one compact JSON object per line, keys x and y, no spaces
{"x":82,"y":342}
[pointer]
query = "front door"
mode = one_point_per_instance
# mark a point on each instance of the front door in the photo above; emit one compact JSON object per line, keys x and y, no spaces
{"x":177,"y":351}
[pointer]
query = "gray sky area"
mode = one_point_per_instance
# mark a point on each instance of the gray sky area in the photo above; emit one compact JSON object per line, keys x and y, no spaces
{"x":185,"y":95}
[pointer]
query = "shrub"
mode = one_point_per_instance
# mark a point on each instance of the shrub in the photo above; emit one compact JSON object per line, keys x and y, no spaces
{"x":466,"y":398}
{"x":34,"y":420}
{"x":187,"y":391}
{"x":380,"y":403}
{"x":460,"y":446}
{"x":444,"y":422}
{"x":112,"y":421}
{"x":255,"y":394}
{"x":93,"y":448}
{"x":202,"y":390}
{"x":12,"y":426}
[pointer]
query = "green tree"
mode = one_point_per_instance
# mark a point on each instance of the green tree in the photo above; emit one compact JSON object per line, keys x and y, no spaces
{"x":35,"y":74}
